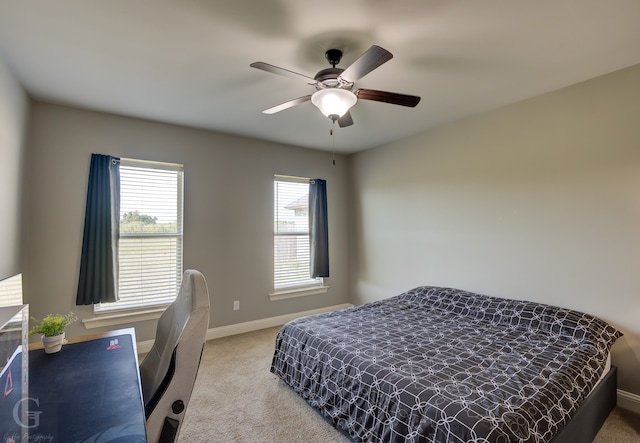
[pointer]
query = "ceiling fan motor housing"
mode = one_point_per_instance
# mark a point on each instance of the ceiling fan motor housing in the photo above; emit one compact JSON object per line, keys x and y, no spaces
{"x":328,"y":78}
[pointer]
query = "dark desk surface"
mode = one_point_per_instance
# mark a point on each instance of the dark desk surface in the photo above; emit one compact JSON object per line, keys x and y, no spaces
{"x":87,"y":392}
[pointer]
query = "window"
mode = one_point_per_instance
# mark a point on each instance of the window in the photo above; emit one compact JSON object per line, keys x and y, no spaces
{"x":11,"y":291}
{"x":291,"y":235}
{"x":151,"y":210}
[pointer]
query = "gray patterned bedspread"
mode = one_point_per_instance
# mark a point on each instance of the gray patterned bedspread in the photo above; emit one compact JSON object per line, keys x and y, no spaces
{"x":445,"y":365}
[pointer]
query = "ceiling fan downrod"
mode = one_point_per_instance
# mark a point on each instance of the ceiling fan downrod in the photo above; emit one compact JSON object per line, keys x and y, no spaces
{"x":333,"y":56}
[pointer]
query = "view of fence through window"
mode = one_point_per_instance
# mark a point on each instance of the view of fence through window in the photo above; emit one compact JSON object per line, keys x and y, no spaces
{"x":291,"y":234}
{"x":150,"y":261}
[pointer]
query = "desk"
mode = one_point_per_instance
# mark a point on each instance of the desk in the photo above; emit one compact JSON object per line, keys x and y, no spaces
{"x":88,"y":392}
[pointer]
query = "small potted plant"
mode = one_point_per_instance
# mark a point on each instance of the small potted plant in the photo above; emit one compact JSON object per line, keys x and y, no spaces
{"x":52,"y":330}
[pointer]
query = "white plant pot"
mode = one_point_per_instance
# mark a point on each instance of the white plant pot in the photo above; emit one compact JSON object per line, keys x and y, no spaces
{"x":53,"y":344}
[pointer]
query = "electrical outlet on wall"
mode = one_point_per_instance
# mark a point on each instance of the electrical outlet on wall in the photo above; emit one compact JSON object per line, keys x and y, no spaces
{"x":236,"y":305}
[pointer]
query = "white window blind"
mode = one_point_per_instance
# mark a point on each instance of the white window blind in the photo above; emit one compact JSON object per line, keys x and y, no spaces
{"x":291,"y":234}
{"x":151,"y":213}
{"x":11,"y":291}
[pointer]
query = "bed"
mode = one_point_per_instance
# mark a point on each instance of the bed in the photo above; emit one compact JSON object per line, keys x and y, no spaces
{"x":445,"y":365}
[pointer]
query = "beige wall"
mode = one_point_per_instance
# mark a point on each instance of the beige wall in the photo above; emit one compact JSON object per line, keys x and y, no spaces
{"x":228,"y":209}
{"x":14,"y":108}
{"x":539,"y":201}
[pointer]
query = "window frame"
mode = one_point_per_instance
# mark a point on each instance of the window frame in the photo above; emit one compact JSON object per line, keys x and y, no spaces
{"x":303,"y":287}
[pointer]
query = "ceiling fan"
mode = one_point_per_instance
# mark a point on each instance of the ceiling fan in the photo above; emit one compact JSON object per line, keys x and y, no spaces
{"x":334,"y":94}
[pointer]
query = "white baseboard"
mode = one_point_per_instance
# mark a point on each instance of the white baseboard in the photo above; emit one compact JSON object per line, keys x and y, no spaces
{"x":629,"y":401}
{"x":249,"y":326}
{"x":255,"y":325}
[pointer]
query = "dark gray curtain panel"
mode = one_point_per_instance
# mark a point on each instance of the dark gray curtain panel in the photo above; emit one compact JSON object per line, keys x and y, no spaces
{"x":98,"y":281}
{"x":318,"y":228}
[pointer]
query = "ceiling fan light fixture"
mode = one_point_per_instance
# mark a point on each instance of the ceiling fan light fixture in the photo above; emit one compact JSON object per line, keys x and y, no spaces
{"x":334,"y":102}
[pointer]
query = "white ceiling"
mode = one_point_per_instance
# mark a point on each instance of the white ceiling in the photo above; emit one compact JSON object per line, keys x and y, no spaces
{"x":187,"y":62}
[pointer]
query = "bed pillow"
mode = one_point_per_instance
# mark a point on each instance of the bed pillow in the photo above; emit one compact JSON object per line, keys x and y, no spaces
{"x":535,"y":317}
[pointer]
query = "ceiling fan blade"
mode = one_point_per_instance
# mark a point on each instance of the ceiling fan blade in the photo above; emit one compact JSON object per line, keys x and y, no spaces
{"x":370,"y":60}
{"x":287,"y":105}
{"x":345,"y":120}
{"x":388,"y":97}
{"x":281,"y":71}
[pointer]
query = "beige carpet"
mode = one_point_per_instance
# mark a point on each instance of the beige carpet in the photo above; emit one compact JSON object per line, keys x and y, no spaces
{"x":237,"y":399}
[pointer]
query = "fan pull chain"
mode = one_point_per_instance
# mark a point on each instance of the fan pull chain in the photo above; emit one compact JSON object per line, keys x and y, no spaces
{"x":333,"y":140}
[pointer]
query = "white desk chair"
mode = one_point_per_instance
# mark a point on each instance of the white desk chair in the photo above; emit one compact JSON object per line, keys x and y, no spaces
{"x":168,"y":372}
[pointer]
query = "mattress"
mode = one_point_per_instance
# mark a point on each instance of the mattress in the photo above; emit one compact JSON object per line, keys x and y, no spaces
{"x":607,"y":367}
{"x":445,"y":365}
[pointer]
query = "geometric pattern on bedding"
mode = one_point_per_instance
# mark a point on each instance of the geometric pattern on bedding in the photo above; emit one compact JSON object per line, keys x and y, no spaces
{"x":445,"y":365}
